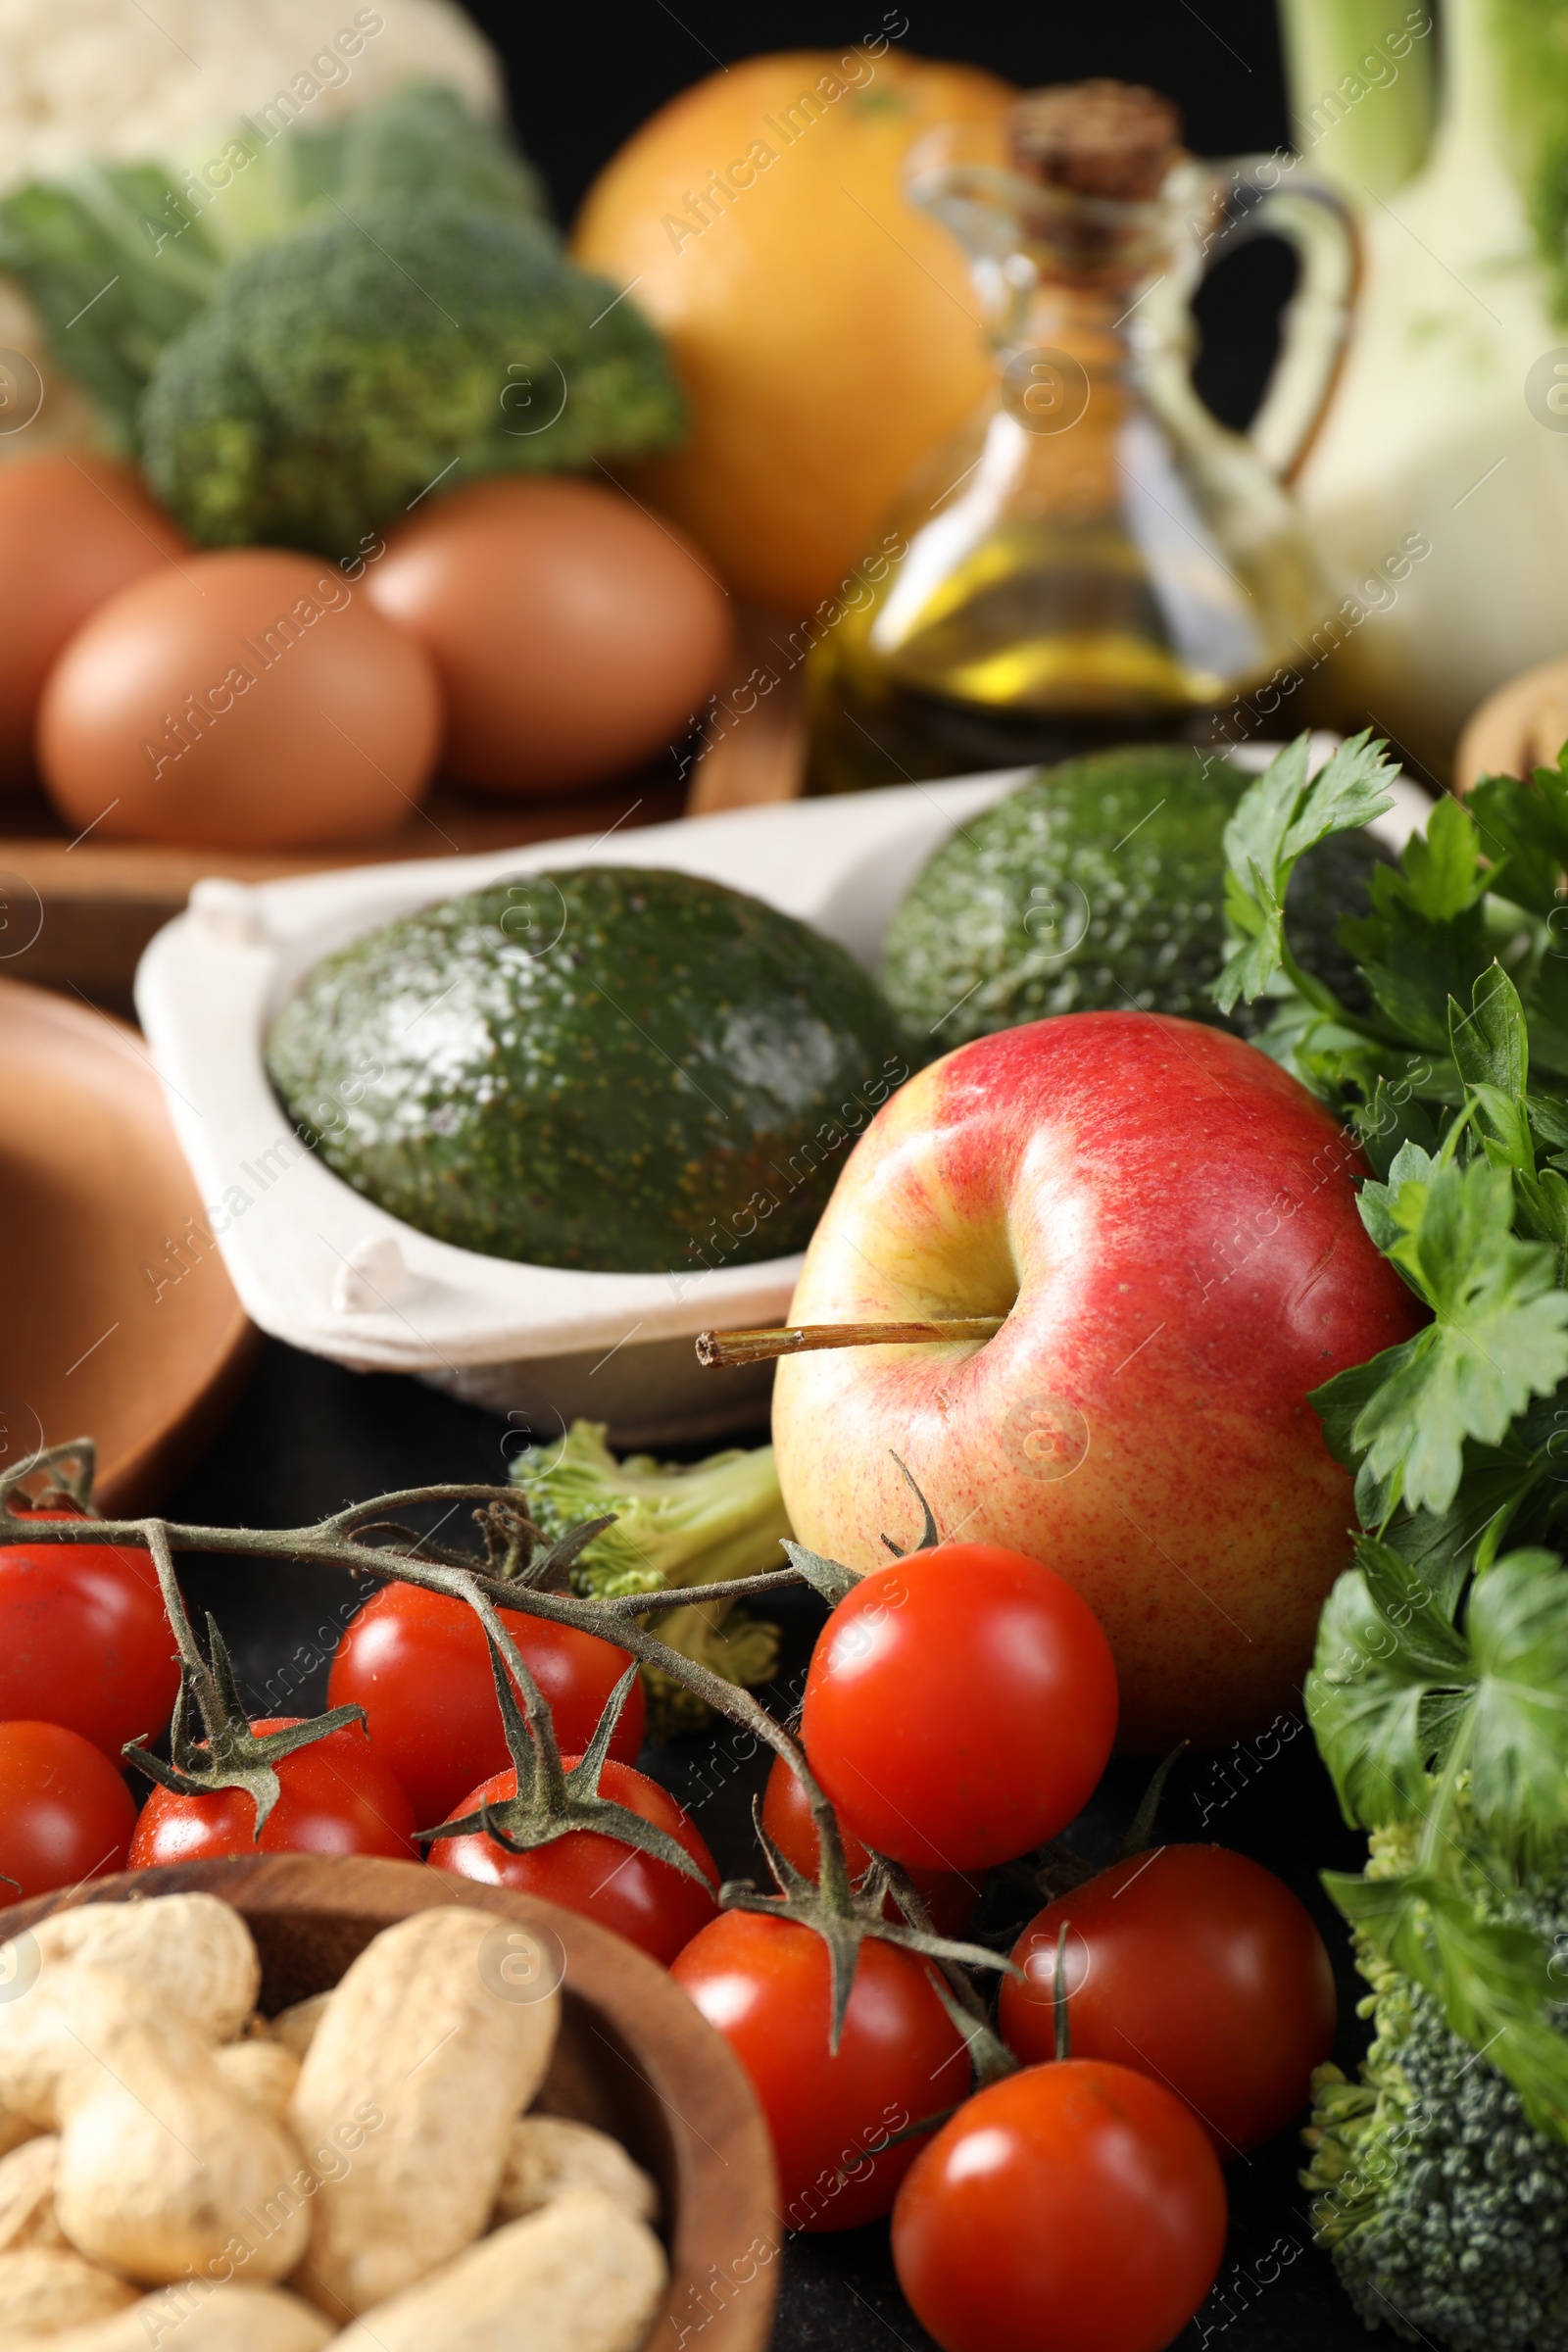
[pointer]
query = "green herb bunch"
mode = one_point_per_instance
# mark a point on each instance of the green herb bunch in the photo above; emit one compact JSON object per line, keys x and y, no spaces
{"x":1439,"y":1696}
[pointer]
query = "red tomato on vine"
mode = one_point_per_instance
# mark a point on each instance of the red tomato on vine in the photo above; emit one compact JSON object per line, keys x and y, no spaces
{"x":960,"y":1706}
{"x":419,"y":1664}
{"x":1075,"y":2207}
{"x":335,"y":1797}
{"x":66,"y":1813}
{"x":787,"y":1819}
{"x":765,"y":1984}
{"x":84,"y":1640}
{"x":650,"y":1902}
{"x":1191,"y":1964}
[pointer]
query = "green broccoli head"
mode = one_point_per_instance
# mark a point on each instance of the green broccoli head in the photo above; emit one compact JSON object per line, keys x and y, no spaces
{"x":1444,"y":2210}
{"x":118,"y":258}
{"x":343,"y":371}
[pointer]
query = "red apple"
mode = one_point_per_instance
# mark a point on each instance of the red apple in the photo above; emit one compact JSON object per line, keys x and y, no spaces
{"x":1167,"y":1220}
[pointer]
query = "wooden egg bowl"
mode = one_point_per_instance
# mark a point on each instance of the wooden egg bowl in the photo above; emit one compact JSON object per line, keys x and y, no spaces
{"x":634,"y":2057}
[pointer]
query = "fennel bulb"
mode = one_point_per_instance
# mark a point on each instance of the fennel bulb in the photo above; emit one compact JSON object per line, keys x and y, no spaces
{"x":1437,"y":427}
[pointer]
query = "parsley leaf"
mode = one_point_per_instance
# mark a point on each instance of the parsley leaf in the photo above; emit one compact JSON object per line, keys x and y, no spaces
{"x":1441,"y":875}
{"x":1278,"y":818}
{"x":1400,"y":1693}
{"x":1499,"y":1334}
{"x":1524,"y":831}
{"x":1516,"y":1628}
{"x":1549,"y":1000}
{"x":1394,"y":1115}
{"x":1424,"y":940}
{"x":1388,"y":1682}
{"x":1493,"y":1053}
{"x":1439,"y":1694}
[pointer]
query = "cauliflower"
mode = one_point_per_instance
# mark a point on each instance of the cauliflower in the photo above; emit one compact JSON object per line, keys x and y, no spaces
{"x":117,"y":130}
{"x":104,"y":80}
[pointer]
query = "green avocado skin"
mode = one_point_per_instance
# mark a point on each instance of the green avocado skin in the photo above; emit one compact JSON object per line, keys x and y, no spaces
{"x":1099,"y":884}
{"x":602,"y":1067}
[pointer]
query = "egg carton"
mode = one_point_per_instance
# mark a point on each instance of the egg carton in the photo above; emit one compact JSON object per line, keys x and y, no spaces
{"x":318,"y":1265}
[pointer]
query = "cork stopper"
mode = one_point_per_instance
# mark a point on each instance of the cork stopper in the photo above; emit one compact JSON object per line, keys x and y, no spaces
{"x":1111,"y":140}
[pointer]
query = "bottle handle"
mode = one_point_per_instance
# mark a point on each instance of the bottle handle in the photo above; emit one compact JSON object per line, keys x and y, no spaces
{"x":1270,"y":196}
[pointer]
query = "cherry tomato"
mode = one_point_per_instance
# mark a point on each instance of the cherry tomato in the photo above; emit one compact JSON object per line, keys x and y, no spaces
{"x":648,"y":1901}
{"x":787,"y":1819}
{"x":419,"y":1665}
{"x":1191,"y":1964}
{"x":764,"y":1984}
{"x":959,"y":1707}
{"x":1071,"y":2208}
{"x":66,"y":1813}
{"x":336,"y":1799}
{"x":84,"y":1641}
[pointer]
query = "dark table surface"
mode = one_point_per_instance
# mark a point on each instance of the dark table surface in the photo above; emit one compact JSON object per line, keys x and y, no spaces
{"x":308,"y":1436}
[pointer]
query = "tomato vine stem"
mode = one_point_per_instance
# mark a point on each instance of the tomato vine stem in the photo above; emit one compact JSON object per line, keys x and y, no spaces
{"x":550,"y":1801}
{"x":65,"y":1474}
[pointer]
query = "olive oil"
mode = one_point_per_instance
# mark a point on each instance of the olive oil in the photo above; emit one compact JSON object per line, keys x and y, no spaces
{"x":1093,"y":559}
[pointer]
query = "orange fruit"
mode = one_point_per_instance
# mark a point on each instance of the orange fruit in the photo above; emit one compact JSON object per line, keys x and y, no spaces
{"x":825,"y":330}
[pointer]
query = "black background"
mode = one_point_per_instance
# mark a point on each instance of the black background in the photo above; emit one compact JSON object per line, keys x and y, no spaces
{"x":309,"y":1437}
{"x":581,"y":82}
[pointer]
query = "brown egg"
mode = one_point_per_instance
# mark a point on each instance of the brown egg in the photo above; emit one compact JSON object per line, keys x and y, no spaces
{"x":575,"y":635}
{"x":73,"y":529}
{"x":252,"y":699}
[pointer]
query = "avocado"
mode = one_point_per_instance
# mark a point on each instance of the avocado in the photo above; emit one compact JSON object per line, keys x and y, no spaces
{"x":600,"y":1067}
{"x":1100,"y":884}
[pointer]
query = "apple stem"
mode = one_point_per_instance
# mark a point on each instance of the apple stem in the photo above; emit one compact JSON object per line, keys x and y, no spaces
{"x":725,"y":1348}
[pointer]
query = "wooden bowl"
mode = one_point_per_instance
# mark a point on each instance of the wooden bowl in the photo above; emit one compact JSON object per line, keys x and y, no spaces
{"x":634,"y":2057}
{"x":121,"y":1322}
{"x":1519,"y":728}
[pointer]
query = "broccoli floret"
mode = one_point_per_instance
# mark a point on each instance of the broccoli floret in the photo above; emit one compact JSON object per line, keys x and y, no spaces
{"x":676,"y":1523}
{"x":118,"y":258}
{"x":1446,"y":2212}
{"x":339,"y":374}
{"x":703,"y":1524}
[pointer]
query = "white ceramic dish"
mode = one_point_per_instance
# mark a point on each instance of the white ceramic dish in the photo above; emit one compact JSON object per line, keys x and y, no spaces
{"x":320,"y":1266}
